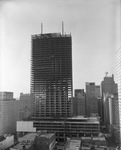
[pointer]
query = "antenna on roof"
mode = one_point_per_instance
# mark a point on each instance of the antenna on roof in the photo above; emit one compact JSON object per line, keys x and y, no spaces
{"x":41,"y":28}
{"x":62,"y":28}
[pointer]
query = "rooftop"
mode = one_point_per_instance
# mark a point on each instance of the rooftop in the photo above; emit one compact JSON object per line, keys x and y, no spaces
{"x":73,"y":145}
{"x":47,"y":135}
{"x":49,"y":35}
{"x":86,"y":138}
{"x":27,"y":137}
{"x":99,"y":138}
{"x":77,"y":119}
{"x":19,"y":146}
{"x":6,"y":136}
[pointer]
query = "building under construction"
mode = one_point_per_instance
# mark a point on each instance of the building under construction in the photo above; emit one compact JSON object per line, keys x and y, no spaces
{"x":51,"y":75}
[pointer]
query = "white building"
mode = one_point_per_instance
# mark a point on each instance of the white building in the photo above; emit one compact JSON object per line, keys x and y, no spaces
{"x":118,"y":73}
{"x":12,"y":111}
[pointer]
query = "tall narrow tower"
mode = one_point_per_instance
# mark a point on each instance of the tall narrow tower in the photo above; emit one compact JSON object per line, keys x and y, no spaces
{"x":51,"y":75}
{"x":91,"y":99}
{"x":118,"y":74}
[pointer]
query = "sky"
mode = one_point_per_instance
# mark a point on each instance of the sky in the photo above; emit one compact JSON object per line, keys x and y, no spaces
{"x":93,"y":24}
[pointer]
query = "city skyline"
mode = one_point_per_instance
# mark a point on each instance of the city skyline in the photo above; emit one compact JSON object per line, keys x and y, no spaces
{"x":93,"y":26}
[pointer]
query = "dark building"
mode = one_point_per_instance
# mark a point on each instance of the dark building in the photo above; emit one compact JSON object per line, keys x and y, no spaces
{"x":51,"y":75}
{"x":79,"y":102}
{"x":91,"y":99}
{"x":108,"y":85}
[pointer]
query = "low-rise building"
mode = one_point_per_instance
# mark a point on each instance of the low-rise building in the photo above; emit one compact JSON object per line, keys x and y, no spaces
{"x":64,"y":127}
{"x":45,"y":141}
{"x":73,"y":145}
{"x":6,"y":141}
{"x":99,"y":141}
{"x":35,"y":141}
{"x":25,"y":143}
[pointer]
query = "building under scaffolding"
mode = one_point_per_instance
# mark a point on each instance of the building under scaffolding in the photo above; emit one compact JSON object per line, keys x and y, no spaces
{"x":51,"y":75}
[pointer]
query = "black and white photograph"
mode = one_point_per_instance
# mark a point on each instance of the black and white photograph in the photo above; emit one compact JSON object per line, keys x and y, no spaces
{"x":60,"y":74}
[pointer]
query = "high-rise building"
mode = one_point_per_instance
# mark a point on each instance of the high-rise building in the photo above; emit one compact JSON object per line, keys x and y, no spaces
{"x":24,"y":105}
{"x":118,"y":75}
{"x":51,"y":75}
{"x":110,"y":105}
{"x":79,"y":102}
{"x":79,"y":93}
{"x":12,"y":110}
{"x":97,"y":91}
{"x":91,"y":99}
{"x":6,"y":96}
{"x":108,"y":88}
{"x":108,"y":85}
{"x":7,"y":119}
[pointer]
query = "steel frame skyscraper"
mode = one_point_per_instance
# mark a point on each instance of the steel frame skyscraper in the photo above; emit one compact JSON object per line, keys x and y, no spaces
{"x":51,"y":75}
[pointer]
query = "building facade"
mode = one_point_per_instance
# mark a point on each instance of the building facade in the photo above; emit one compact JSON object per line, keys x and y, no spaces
{"x":6,"y":96}
{"x":109,"y":89}
{"x":63,"y":127}
{"x":7,"y":121}
{"x":91,"y":99}
{"x":97,"y":91}
{"x":118,"y":76}
{"x":11,"y":111}
{"x":51,"y":75}
{"x":79,"y":102}
{"x":108,"y":85}
{"x":25,"y":106}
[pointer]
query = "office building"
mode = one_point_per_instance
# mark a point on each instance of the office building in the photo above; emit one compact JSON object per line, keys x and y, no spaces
{"x":51,"y":75}
{"x":51,"y":87}
{"x":118,"y":76}
{"x":110,"y":98}
{"x":11,"y":111}
{"x":25,"y":104}
{"x":63,"y":127}
{"x":91,"y":99}
{"x":97,"y":91}
{"x":6,"y":96}
{"x":108,"y":85}
{"x":115,"y":118}
{"x":79,"y":93}
{"x":108,"y":111}
{"x":109,"y":89}
{"x":100,"y":108}
{"x":7,"y":120}
{"x":79,"y":102}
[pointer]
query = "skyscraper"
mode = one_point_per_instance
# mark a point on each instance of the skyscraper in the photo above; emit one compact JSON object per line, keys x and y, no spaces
{"x":91,"y":98}
{"x":118,"y":75}
{"x":108,"y":85}
{"x":79,"y":102}
{"x":51,"y":75}
{"x":108,"y":88}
